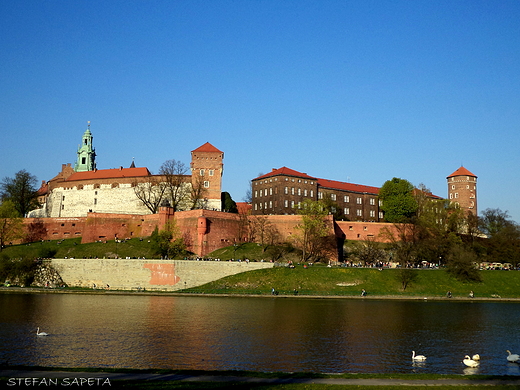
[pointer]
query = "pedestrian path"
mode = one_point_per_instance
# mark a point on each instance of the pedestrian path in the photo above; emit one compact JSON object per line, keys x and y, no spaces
{"x":67,"y":378}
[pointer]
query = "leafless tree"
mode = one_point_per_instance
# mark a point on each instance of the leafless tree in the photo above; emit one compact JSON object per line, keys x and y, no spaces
{"x":150,"y":193}
{"x":176,"y":182}
{"x":198,"y":193}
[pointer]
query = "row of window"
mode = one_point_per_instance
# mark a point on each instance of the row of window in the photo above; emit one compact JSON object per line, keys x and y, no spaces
{"x":211,"y":172}
{"x":292,"y":204}
{"x":305,"y":192}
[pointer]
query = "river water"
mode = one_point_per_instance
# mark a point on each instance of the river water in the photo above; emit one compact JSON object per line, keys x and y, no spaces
{"x":260,"y":334}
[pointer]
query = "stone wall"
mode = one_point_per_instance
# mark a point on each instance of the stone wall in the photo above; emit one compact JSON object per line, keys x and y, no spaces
{"x":152,"y":275}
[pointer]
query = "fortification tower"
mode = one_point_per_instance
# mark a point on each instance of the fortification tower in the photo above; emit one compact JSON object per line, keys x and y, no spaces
{"x":462,"y":189}
{"x":207,"y":168}
{"x":86,"y":154}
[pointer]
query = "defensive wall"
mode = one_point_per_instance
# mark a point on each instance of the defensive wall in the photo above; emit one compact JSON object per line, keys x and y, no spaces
{"x":204,"y":231}
{"x":152,"y":275}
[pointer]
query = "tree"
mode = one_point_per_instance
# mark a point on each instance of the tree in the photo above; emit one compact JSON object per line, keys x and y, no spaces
{"x":168,"y":243}
{"x":405,"y":276}
{"x":150,"y":193}
{"x":398,"y":202}
{"x":11,"y":225}
{"x":198,"y":194}
{"x":503,"y":236}
{"x":263,"y":232}
{"x":177,"y":190}
{"x":462,"y":264}
{"x":313,"y":234}
{"x":228,"y":204}
{"x":21,"y":191}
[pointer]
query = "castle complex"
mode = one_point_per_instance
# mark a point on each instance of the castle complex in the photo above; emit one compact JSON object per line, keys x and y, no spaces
{"x":281,"y":191}
{"x":101,"y":204}
{"x":75,"y":192}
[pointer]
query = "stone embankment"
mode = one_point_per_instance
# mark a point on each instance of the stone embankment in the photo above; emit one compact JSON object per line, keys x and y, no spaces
{"x":143,"y":274}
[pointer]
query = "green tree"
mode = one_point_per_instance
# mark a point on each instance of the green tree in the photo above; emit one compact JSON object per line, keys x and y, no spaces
{"x":463,"y":264}
{"x":313,"y":236}
{"x":21,"y":191}
{"x":503,"y":236}
{"x":398,"y":202}
{"x":228,"y":204}
{"x":168,"y":243}
{"x":11,"y":225}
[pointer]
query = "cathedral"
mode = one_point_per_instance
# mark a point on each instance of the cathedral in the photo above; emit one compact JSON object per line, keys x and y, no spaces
{"x":81,"y":189}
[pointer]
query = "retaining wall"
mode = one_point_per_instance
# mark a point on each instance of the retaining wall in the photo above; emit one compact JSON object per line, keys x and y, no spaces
{"x":159,"y":275}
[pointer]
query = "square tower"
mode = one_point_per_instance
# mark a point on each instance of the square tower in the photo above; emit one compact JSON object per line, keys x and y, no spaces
{"x":207,"y":168}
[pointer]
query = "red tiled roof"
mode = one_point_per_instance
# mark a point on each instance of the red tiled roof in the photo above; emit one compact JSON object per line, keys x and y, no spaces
{"x":461,"y":172}
{"x":285,"y":171}
{"x":207,"y":147}
{"x":339,"y":185}
{"x":244,"y":207}
{"x":109,"y":174}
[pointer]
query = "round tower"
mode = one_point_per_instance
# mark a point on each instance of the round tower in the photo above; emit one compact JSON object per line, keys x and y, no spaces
{"x":462,"y":190}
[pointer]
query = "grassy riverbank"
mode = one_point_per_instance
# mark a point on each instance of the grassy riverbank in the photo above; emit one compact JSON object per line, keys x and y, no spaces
{"x":340,"y":281}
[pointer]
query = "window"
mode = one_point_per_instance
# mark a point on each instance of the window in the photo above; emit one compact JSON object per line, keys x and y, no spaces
{"x":299,"y":191}
{"x":211,"y":172}
{"x":270,"y":190}
{"x":372,"y":213}
{"x":346,"y":211}
{"x":286,"y":190}
{"x":346,"y":198}
{"x":380,"y":215}
{"x":359,"y":213}
{"x":456,"y":195}
{"x":312,"y":193}
{"x":292,"y":190}
{"x":320,"y":195}
{"x":270,"y":204}
{"x":206,"y":184}
{"x":380,"y":203}
{"x":256,"y":206}
{"x":95,"y":201}
{"x":286,"y":203}
{"x":372,"y":201}
{"x":256,"y":194}
{"x":304,"y":192}
{"x":333,"y":209}
{"x":265,"y":192}
{"x":292,"y":204}
{"x":202,"y":172}
{"x":333,"y":196}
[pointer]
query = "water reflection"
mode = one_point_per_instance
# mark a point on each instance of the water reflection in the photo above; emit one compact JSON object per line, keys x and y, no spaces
{"x":265,"y":334}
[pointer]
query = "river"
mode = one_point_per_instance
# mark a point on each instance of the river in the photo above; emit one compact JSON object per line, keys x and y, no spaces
{"x":259,"y":334}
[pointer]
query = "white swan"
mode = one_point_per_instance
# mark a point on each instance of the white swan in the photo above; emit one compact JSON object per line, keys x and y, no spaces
{"x":512,"y":357}
{"x":476,"y":357}
{"x":418,"y":358}
{"x":38,"y":333}
{"x":470,"y":362}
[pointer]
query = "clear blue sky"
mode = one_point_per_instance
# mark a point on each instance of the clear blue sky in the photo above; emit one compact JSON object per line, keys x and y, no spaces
{"x":358,"y":91}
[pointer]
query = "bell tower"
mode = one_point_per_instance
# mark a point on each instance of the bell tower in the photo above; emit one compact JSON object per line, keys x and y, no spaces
{"x":86,"y":153}
{"x":462,"y":189}
{"x":206,"y":175}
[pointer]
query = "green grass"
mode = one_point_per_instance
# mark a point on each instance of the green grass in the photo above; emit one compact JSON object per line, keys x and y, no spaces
{"x":72,"y":247}
{"x":339,"y":281}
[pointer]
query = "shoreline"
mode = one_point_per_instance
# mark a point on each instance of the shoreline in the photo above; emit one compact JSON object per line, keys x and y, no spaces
{"x":42,"y":290}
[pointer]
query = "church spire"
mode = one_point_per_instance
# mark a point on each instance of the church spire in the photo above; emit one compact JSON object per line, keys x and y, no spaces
{"x":86,"y":160}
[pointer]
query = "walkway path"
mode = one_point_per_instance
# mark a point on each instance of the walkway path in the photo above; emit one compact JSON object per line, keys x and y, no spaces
{"x":36,"y":378}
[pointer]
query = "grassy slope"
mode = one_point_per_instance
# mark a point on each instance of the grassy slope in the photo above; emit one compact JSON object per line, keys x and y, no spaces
{"x":320,"y":280}
{"x":315,"y":280}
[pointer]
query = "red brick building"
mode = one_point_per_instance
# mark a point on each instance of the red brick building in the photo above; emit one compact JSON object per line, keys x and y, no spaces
{"x":281,"y":191}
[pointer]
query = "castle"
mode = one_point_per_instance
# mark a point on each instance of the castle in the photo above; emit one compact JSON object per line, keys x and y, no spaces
{"x":101,"y":204}
{"x":84,"y":189}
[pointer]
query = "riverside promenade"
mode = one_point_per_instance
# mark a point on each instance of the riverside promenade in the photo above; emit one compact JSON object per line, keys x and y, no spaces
{"x":39,"y":378}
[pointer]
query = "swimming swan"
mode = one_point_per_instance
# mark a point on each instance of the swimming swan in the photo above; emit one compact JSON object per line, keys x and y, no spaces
{"x":418,"y":358}
{"x":38,"y":333}
{"x":512,"y":357}
{"x":476,"y":357}
{"x":470,"y":362}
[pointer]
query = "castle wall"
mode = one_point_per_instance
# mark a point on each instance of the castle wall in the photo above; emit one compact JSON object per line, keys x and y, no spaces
{"x":159,"y":275}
